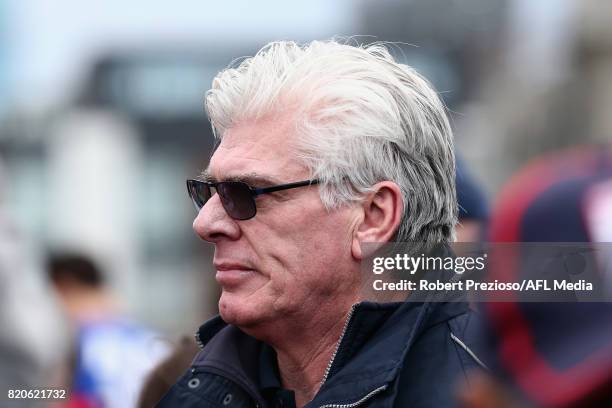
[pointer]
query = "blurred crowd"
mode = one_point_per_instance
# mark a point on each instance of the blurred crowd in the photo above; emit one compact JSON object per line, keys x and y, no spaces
{"x":95,"y":226}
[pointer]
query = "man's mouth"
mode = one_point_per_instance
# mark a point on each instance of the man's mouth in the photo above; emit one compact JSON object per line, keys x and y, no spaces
{"x":230,"y":274}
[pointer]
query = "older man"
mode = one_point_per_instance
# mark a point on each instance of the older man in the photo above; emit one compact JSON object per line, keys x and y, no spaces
{"x":323,"y":148}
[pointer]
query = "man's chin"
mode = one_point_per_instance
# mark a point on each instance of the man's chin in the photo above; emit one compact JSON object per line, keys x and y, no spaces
{"x":239,"y":313}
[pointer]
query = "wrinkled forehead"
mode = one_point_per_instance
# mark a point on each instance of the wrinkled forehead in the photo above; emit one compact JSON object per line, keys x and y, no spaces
{"x":266,"y":148}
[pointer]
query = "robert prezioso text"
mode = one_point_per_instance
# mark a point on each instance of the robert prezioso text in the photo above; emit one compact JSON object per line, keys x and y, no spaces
{"x":470,"y":284}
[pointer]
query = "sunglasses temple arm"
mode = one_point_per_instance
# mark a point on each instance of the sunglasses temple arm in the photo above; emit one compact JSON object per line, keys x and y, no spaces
{"x":264,"y":190}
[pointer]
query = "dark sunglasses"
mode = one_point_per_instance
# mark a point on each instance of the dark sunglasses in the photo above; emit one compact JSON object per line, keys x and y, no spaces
{"x":237,"y":198}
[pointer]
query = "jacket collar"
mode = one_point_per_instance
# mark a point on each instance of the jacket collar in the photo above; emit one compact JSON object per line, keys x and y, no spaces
{"x":369,"y":356}
{"x":376,"y":341}
{"x":229,"y":352}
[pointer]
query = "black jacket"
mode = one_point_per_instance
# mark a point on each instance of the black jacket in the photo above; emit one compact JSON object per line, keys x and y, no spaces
{"x":390,"y":355}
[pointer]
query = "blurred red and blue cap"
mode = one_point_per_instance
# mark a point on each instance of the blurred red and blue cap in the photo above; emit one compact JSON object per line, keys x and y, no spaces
{"x":472,"y":201}
{"x":555,"y":354}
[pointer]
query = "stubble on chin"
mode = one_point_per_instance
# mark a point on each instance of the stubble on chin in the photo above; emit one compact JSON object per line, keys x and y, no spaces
{"x":237,"y":313}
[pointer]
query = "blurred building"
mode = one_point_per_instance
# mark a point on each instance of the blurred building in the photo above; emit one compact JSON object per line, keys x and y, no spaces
{"x":105,"y":120}
{"x":450,"y":48}
{"x":551,"y":88}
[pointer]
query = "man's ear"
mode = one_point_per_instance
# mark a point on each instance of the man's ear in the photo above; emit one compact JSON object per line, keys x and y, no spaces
{"x":382,"y":214}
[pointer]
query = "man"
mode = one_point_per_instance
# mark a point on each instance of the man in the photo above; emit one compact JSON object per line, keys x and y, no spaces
{"x":323,"y":148}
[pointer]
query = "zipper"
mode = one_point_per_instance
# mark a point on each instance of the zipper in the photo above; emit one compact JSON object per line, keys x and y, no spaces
{"x":333,"y":357}
{"x":359,"y":402}
{"x":468,"y":350}
{"x":198,"y":341}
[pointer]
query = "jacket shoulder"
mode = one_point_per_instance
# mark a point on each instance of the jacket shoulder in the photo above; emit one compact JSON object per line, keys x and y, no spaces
{"x":438,"y":362}
{"x":205,"y":389}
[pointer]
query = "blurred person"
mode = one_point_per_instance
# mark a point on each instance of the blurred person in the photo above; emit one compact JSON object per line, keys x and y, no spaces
{"x":112,"y":353}
{"x":552,"y":354}
{"x":28,"y":360}
{"x":473,"y":211}
{"x":323,"y":148}
{"x":167,"y":372}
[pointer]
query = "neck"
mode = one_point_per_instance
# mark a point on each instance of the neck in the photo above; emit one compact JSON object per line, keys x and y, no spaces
{"x":304,"y":356}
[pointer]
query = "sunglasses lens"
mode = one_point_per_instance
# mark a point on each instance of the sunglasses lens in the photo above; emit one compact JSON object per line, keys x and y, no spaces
{"x":237,"y":200}
{"x":199,"y":192}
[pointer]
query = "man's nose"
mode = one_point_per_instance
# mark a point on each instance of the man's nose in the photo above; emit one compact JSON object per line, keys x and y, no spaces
{"x":213,"y":224}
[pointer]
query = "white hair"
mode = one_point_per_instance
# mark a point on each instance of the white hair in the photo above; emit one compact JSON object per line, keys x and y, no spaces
{"x":363,"y":118}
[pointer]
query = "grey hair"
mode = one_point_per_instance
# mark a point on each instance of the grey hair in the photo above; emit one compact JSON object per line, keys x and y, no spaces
{"x":363,"y":118}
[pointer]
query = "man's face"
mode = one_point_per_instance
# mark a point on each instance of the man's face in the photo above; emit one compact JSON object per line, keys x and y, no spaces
{"x":293,"y":259}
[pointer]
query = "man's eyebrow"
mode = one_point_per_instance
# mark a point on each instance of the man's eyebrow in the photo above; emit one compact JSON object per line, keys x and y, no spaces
{"x":252,"y":179}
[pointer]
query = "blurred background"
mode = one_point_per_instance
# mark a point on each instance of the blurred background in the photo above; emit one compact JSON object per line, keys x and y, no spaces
{"x":101,"y":121}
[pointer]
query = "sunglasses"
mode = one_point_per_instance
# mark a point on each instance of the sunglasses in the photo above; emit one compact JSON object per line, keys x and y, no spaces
{"x":237,"y":198}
